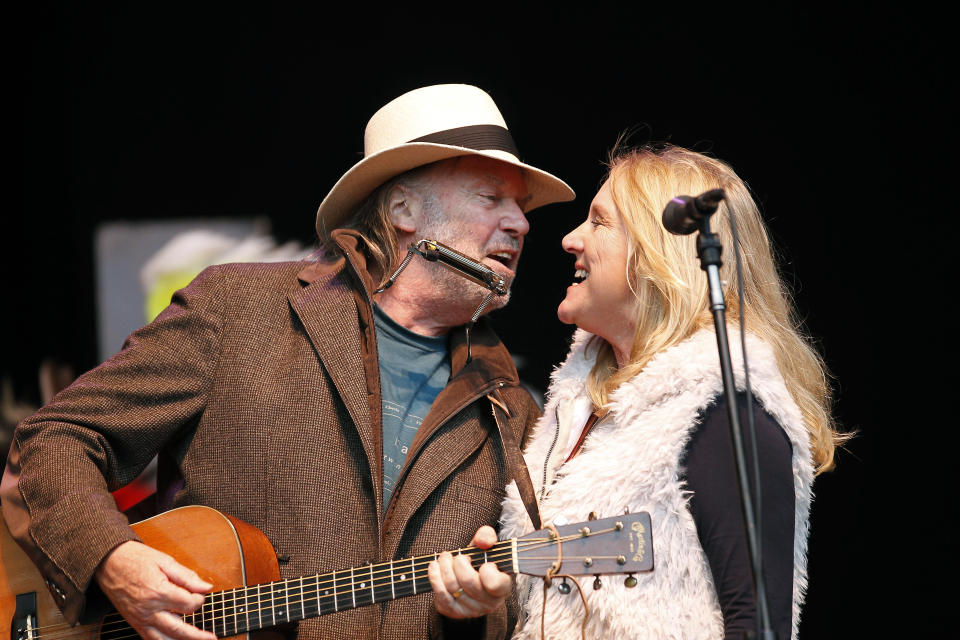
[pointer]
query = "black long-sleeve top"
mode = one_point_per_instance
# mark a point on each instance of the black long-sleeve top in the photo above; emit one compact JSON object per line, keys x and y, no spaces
{"x":710,"y":473}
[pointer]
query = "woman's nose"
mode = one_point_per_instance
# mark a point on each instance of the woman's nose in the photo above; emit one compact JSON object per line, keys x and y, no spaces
{"x":572,"y":242}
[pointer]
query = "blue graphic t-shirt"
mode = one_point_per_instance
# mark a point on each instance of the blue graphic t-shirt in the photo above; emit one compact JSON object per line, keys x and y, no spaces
{"x":414,"y":369}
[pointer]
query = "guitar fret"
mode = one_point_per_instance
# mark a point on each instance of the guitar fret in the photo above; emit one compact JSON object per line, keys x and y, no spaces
{"x":260,"y":605}
{"x":253,"y":608}
{"x":230,"y":611}
{"x":281,"y":611}
{"x":309,"y":595}
{"x":209,"y":618}
{"x":413,"y":576}
{"x":353,"y":590}
{"x":239,"y":610}
{"x":393,"y":593}
{"x":268,"y":605}
{"x":373,"y":595}
{"x":380,"y":588}
{"x":324,"y":591}
{"x":219,"y":603}
{"x":227,"y":609}
{"x":300,"y":597}
{"x":362,"y":596}
{"x":336,"y":594}
{"x":423,"y":581}
{"x":339,"y":592}
{"x":227,"y":631}
{"x":243,"y":609}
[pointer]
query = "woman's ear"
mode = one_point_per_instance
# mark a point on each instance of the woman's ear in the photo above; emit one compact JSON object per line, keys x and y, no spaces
{"x":403,"y":205}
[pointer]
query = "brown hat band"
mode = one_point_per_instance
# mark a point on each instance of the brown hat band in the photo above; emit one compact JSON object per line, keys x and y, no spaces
{"x":479,"y":136}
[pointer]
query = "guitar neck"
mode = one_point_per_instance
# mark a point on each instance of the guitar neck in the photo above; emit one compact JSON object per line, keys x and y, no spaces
{"x":246,"y":609}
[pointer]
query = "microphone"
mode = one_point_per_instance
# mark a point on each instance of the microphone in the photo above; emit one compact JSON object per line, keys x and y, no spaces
{"x":682,"y":213}
{"x":464,"y":265}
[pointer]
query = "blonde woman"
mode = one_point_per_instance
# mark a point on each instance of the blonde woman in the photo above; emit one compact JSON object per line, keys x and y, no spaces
{"x":636,"y":420}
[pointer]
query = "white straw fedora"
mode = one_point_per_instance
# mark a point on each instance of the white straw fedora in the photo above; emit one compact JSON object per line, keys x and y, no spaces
{"x":426,"y":125}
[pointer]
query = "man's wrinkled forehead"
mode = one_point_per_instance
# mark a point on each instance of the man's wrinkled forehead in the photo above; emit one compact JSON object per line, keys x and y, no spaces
{"x":478,"y":171}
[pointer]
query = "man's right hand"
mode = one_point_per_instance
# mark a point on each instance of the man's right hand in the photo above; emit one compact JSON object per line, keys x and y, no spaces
{"x":150,"y":590}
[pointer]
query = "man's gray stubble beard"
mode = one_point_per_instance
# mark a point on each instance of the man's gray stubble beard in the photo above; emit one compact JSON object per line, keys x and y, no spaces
{"x":455,"y":287}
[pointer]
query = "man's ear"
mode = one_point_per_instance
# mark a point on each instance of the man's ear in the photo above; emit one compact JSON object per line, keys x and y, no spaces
{"x":403,"y":205}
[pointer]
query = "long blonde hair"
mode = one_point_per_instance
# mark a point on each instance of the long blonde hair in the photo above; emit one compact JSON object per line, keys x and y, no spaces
{"x":664,"y":272}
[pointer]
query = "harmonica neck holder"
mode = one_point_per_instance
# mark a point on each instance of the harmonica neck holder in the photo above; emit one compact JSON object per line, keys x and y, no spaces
{"x":431,"y":251}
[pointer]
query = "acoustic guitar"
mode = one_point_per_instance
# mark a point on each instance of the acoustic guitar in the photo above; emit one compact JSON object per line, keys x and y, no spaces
{"x":249,"y":595}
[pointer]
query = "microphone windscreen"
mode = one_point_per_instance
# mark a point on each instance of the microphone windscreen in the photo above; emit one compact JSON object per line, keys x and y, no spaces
{"x":676,"y":216}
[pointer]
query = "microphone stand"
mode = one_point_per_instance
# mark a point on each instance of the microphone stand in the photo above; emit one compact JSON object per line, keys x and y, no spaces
{"x":709,"y":249}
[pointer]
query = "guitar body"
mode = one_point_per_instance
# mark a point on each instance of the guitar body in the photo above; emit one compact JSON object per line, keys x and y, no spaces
{"x":222,"y":550}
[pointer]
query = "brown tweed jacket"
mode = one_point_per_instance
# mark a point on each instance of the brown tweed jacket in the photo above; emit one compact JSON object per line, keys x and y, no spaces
{"x":259,"y":388}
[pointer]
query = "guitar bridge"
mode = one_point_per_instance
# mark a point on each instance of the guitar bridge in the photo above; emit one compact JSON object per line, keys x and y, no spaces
{"x":24,"y":623}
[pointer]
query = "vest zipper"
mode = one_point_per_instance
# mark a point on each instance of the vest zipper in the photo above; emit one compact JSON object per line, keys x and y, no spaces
{"x":546,"y":462}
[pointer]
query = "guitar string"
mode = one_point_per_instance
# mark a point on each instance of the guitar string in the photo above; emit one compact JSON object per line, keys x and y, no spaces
{"x":114,"y":623}
{"x":284,"y":591}
{"x":224,"y":609}
{"x":501,"y":552}
{"x":227,"y":604}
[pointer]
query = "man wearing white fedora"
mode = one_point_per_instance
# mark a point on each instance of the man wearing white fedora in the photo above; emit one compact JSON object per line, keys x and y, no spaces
{"x":353,"y":414}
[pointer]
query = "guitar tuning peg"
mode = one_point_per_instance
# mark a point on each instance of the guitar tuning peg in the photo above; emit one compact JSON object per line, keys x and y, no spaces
{"x":592,"y":516}
{"x":596,"y":583}
{"x":630,"y":582}
{"x":563,"y":587}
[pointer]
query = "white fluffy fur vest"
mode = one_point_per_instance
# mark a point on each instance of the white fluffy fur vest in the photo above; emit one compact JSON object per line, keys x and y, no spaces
{"x":631,"y":461}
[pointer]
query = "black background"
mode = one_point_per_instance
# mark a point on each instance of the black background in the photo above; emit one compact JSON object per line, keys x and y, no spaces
{"x":833,"y":116}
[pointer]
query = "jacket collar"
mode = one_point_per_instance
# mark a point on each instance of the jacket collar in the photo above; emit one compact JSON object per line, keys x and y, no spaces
{"x":490,"y":358}
{"x":350,"y":243}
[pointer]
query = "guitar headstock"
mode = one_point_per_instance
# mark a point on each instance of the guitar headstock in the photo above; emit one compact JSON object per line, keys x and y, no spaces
{"x":621,"y":544}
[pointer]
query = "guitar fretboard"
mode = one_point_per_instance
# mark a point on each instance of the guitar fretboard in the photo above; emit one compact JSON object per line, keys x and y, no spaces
{"x":246,"y":609}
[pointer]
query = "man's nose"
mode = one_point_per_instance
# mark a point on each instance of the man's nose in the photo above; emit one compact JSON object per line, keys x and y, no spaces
{"x":514,"y":220}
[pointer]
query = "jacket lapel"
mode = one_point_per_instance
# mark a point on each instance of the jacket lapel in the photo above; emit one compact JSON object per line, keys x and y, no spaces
{"x":491,"y":364}
{"x":327,"y":309}
{"x":451,"y":433}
